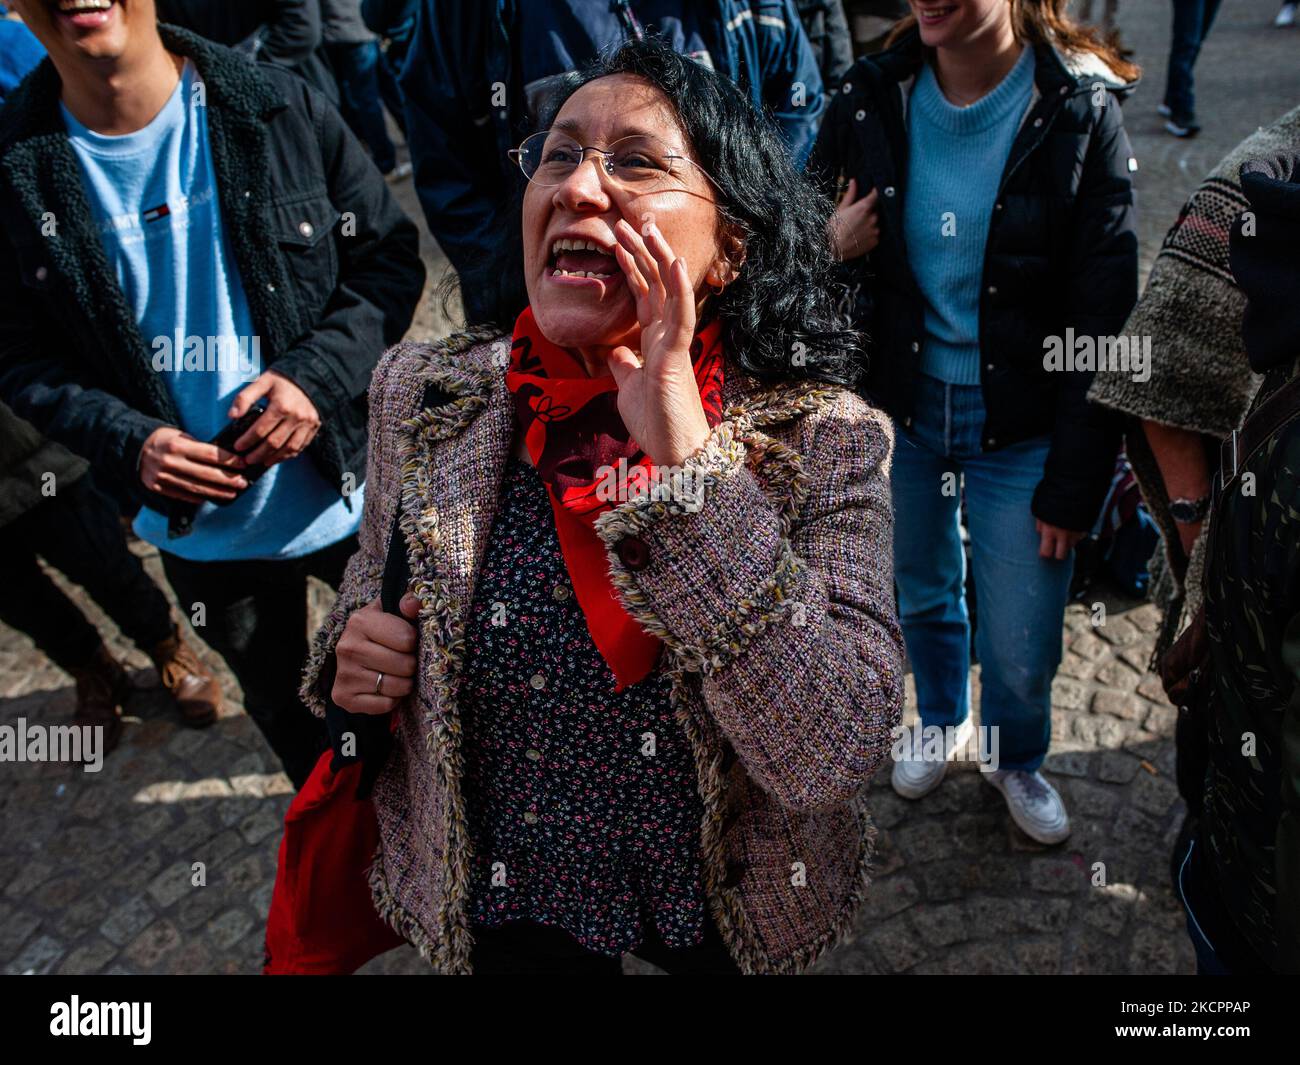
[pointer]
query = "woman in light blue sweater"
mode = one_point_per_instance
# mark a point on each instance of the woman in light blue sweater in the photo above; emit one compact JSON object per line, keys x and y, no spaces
{"x":997,"y":216}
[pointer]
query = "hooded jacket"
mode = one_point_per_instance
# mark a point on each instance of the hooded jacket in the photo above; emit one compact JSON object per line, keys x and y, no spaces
{"x":1251,"y":819}
{"x":1062,"y":254}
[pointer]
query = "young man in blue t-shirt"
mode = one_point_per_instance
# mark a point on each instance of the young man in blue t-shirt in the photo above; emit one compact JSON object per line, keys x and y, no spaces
{"x":194,"y":239}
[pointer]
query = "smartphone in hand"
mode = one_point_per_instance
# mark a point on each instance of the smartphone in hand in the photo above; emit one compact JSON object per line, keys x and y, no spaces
{"x":226,"y":441}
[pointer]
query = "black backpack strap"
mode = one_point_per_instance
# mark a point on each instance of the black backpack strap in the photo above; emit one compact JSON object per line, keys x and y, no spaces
{"x":371,"y":734}
{"x":397,"y":570}
{"x":1282,"y":407}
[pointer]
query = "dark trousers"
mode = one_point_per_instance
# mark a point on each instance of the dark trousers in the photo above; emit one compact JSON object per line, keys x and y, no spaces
{"x":523,"y":948}
{"x":1192,"y":22}
{"x":391,"y":92}
{"x":356,"y":68}
{"x":255,"y":617}
{"x":1220,"y":949}
{"x":78,"y":531}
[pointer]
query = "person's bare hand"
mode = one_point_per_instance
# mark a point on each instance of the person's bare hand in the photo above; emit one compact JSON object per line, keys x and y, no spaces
{"x":372,"y":643}
{"x":173,"y":463}
{"x":854,"y":228}
{"x":1055,"y":542}
{"x":290,"y":423}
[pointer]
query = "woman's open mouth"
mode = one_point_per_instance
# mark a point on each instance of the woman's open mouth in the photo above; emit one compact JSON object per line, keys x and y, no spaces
{"x":932,"y":16}
{"x":574,"y":261}
{"x":86,"y":14}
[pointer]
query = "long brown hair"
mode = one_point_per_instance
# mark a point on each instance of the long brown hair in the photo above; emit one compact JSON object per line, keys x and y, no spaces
{"x":1049,"y":22}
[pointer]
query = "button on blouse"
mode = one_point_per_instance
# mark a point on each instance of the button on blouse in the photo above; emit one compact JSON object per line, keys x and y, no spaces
{"x":582,"y":802}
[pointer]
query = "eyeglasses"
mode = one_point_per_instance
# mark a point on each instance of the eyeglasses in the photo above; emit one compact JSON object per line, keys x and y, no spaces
{"x":639,"y":164}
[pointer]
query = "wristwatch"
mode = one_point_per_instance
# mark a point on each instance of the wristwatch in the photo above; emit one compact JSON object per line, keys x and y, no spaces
{"x":1189,"y":511}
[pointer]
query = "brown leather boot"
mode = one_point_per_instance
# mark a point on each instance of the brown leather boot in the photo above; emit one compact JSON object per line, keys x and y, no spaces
{"x":190,"y":682}
{"x":102,"y":688}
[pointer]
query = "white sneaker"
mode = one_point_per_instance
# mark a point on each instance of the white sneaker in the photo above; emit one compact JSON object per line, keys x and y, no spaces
{"x":1287,"y":16}
{"x":1033,"y":803}
{"x":915,"y":774}
{"x":1165,"y":111}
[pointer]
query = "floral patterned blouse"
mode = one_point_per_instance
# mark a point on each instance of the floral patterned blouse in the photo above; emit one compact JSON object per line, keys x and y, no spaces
{"x":582,"y":802}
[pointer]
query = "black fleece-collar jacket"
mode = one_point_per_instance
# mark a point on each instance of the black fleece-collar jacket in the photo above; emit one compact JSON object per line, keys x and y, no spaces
{"x":1062,"y":253}
{"x":329,"y":263}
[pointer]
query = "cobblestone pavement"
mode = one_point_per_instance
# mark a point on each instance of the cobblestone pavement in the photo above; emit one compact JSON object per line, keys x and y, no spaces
{"x":97,"y":870}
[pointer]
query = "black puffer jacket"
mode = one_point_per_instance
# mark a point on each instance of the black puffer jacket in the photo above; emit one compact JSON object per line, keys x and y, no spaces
{"x":1062,"y":252}
{"x":329,"y":263}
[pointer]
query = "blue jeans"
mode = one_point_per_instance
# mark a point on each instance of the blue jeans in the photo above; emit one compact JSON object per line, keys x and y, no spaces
{"x":1021,"y":597}
{"x":356,"y":68}
{"x":1192,"y":22}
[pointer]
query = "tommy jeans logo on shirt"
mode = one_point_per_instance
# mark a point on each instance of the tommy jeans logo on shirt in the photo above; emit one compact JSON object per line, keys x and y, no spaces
{"x":123,"y":224}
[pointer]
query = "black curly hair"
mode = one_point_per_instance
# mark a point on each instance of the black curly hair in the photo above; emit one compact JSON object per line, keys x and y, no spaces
{"x":779,"y":315}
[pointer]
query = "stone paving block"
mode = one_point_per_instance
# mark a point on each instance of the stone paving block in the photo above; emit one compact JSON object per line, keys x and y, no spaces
{"x":229,"y":928}
{"x":153,"y":944}
{"x":894,"y":943}
{"x":888,"y":896}
{"x":1119,"y":631}
{"x":1117,"y":767}
{"x":1124,"y":705}
{"x":924,"y":841}
{"x":939,"y":925}
{"x":1156,"y":951}
{"x":198,"y":907}
{"x":984,"y":958}
{"x":1154,"y":795}
{"x":38,"y":957}
{"x":171,"y":885}
{"x":262,"y":822}
{"x":1118,"y":675}
{"x":1069,"y":694}
{"x":127,"y":921}
{"x":1149,"y":687}
{"x":28,"y":879}
{"x":1161,"y":720}
{"x":89,"y":958}
{"x":1075,"y":666}
{"x":1057,"y":876}
{"x":17,"y":927}
{"x":1040,"y":957}
{"x":1068,"y":763}
{"x":1088,"y":646}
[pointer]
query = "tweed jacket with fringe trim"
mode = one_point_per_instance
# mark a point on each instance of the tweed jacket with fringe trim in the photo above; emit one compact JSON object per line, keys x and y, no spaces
{"x":773,"y":597}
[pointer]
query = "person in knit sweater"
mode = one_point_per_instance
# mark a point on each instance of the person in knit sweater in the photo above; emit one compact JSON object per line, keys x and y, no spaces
{"x":1201,"y":382}
{"x":988,"y":216}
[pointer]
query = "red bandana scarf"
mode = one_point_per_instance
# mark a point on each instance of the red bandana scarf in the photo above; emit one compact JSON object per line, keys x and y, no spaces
{"x":580,"y":447}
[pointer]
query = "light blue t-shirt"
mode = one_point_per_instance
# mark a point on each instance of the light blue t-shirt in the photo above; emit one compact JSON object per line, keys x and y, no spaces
{"x":957,"y":157}
{"x":153,"y":194}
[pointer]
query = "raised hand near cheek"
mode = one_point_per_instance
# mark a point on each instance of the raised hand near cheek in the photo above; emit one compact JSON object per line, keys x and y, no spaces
{"x":658,"y":397}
